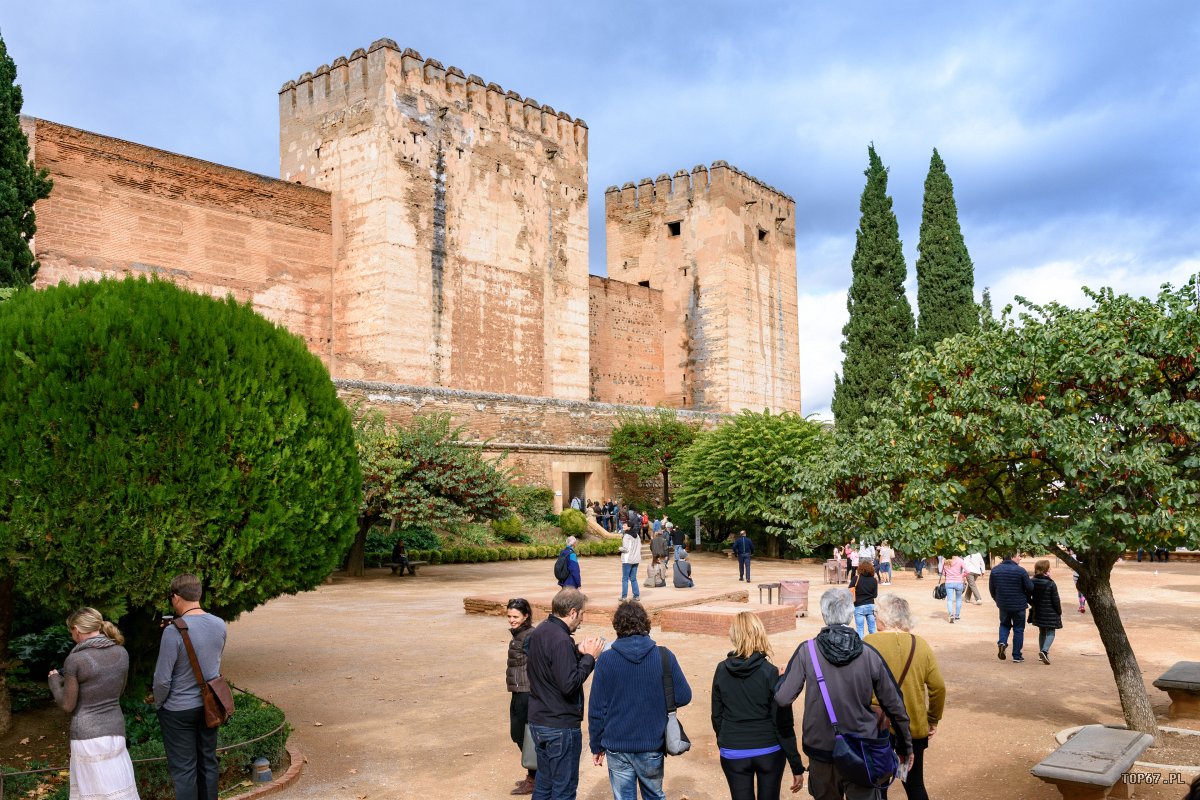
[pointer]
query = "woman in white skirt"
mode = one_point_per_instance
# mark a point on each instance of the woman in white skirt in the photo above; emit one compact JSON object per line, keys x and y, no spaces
{"x":89,"y":689}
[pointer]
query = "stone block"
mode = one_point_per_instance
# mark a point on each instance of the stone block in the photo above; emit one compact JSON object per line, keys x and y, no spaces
{"x":1091,"y":763}
{"x":714,"y":619}
{"x":1182,"y":684}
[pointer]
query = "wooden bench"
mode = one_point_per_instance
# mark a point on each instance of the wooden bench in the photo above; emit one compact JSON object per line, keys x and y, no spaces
{"x":412,"y":565}
{"x":1182,"y":684}
{"x":1090,"y":765}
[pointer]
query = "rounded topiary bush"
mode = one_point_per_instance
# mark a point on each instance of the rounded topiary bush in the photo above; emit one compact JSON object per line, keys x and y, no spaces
{"x":572,"y":522}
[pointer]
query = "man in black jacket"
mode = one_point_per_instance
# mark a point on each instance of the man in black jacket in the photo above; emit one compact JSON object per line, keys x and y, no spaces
{"x":557,"y":671}
{"x":1011,"y":588}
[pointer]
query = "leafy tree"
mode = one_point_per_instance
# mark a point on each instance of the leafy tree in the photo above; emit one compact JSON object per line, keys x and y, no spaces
{"x":423,"y":474}
{"x":945,"y":274}
{"x":151,"y":431}
{"x":21,"y":183}
{"x":880,"y":327}
{"x":736,"y":473}
{"x":647,"y":445}
{"x":1071,"y":431}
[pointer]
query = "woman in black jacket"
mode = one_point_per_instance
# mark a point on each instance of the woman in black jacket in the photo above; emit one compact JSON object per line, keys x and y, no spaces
{"x":755,"y":736}
{"x":1046,"y":611}
{"x":865,"y":589}
{"x":520,"y":625}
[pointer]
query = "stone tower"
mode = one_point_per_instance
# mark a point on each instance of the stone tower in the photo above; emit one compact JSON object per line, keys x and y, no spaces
{"x":721,"y":246}
{"x":459,"y":219}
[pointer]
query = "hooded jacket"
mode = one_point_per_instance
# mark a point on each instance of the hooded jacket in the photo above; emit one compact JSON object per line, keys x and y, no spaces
{"x":745,"y":715}
{"x":853,"y":672}
{"x":627,"y":712}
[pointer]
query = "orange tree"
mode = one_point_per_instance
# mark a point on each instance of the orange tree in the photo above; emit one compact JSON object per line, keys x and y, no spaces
{"x":1070,"y":431}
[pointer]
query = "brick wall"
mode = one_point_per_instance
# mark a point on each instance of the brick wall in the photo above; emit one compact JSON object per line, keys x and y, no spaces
{"x":625,"y":350}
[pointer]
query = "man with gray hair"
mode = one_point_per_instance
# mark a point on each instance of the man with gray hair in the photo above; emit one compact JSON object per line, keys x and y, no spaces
{"x":852,"y":673}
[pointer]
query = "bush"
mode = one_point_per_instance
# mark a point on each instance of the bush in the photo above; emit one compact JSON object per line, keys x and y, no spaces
{"x":532,"y":502}
{"x":572,"y":522}
{"x":421,"y":537}
{"x":508,"y":529}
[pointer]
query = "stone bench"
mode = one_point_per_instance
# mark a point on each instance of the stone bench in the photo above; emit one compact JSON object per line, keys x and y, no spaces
{"x":714,"y":619}
{"x":1182,"y":684}
{"x":412,"y":565}
{"x":1090,"y":765}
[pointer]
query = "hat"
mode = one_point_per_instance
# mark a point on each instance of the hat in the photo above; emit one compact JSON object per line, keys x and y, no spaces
{"x":571,"y":541}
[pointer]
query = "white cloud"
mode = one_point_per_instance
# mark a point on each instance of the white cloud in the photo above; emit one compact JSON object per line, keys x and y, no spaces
{"x":821,"y":316}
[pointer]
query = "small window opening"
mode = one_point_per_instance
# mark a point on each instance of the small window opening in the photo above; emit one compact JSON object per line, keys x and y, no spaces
{"x":762,"y":235}
{"x":644,"y":283}
{"x":673,"y":228}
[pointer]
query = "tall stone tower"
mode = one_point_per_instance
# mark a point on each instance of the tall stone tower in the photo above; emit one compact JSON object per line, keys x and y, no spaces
{"x":721,"y":246}
{"x":460,"y":224}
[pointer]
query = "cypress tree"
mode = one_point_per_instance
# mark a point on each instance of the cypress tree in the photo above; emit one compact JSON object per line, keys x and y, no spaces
{"x":987,"y":318}
{"x":881,"y":322}
{"x":21,"y":184}
{"x":945,"y":275}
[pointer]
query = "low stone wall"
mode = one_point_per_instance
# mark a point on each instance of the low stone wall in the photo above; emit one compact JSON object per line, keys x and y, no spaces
{"x":714,"y":619}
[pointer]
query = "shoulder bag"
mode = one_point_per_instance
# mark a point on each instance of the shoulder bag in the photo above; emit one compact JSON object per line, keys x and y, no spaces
{"x":864,"y":761}
{"x":881,"y":717}
{"x":677,"y":741}
{"x":217,"y":697}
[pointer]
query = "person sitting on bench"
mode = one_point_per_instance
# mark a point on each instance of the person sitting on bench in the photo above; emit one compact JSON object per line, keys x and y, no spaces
{"x":400,"y":558}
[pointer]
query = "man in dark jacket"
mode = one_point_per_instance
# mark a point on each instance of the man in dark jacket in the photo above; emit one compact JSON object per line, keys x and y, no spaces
{"x":659,"y":545}
{"x":574,"y":579}
{"x":1011,"y":589}
{"x":853,"y":672}
{"x":627,"y":715}
{"x":743,"y":548}
{"x":557,"y":671}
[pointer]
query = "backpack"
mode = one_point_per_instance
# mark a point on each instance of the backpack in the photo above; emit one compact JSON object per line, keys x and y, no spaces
{"x":562,"y":567}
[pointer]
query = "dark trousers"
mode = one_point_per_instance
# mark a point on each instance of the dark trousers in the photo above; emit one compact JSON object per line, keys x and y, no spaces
{"x":741,"y":774}
{"x":558,"y":751}
{"x":191,"y":749}
{"x":1012,"y":619}
{"x":744,"y":567}
{"x":914,"y":784}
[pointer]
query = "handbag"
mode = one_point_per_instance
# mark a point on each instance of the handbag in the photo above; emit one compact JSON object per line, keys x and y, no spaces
{"x":939,"y":592}
{"x":217,"y":697}
{"x":865,"y":761}
{"x":529,"y":750}
{"x":676,"y":739}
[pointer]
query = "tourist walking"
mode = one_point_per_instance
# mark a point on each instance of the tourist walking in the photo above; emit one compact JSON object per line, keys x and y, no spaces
{"x":627,"y":713}
{"x":743,"y":548}
{"x":89,"y":689}
{"x":866,"y":589}
{"x":756,"y":736}
{"x":974,"y":564}
{"x":849,"y":555}
{"x":837,"y":662}
{"x":954,"y":573}
{"x":682,"y":574}
{"x":659,"y":546}
{"x":1045,"y":611}
{"x":1011,"y":589}
{"x":886,"y":554}
{"x":677,"y":539}
{"x":557,"y":670}
{"x":912,"y":663}
{"x":516,"y":677}
{"x":566,"y":568}
{"x":631,"y":557}
{"x":190,"y":745}
{"x":854,"y":557}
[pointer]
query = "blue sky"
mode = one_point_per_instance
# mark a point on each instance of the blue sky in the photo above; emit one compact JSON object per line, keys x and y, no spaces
{"x":1070,"y":129}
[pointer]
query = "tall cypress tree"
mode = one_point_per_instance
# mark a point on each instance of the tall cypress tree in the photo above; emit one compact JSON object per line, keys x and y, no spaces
{"x":881,"y":321}
{"x":945,"y":274}
{"x":21,"y":184}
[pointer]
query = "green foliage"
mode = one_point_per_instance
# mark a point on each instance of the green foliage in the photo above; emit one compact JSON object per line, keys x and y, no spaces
{"x":510,"y":529}
{"x":572,"y":522}
{"x":880,"y":327}
{"x":987,"y":317}
{"x":945,"y":274}
{"x":531,"y":502}
{"x":152,"y":431}
{"x":419,"y":537}
{"x":21,"y":183}
{"x":645,"y":446}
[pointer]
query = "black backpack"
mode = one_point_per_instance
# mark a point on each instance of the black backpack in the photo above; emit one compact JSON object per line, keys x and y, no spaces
{"x":562,"y":569}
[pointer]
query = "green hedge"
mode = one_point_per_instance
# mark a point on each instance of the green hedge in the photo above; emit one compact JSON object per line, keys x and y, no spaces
{"x":476,"y":555}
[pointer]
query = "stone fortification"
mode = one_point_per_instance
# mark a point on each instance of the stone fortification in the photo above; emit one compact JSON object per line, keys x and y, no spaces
{"x":460,"y":218}
{"x":721,"y":245}
{"x":626,"y":347}
{"x":119,"y":208}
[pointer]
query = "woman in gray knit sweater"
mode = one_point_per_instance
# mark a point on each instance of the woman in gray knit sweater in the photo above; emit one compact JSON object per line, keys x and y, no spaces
{"x":89,"y":689}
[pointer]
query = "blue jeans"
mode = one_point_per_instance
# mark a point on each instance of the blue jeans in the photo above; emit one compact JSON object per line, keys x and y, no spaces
{"x":864,"y":613}
{"x":954,"y":595}
{"x":744,"y":567}
{"x":1045,"y":639}
{"x":1013,"y":619}
{"x":558,"y":752}
{"x":626,"y":771}
{"x":628,"y":576}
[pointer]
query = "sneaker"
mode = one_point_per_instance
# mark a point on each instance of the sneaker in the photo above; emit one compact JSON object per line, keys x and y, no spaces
{"x":951,"y":620}
{"x":1082,"y":610}
{"x":956,"y":616}
{"x":1000,"y":648}
{"x":1018,"y":660}
{"x":1045,"y":657}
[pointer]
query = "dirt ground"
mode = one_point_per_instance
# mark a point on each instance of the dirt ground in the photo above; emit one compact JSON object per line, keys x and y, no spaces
{"x":395,"y":692}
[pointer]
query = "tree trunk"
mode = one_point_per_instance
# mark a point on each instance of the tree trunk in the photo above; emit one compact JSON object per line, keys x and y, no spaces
{"x":355,"y":567}
{"x":666,"y":489}
{"x":1095,"y":581}
{"x":6,"y":619}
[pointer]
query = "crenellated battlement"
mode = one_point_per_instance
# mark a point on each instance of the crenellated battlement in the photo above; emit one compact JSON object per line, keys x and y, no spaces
{"x":365,"y":72}
{"x":701,"y":179}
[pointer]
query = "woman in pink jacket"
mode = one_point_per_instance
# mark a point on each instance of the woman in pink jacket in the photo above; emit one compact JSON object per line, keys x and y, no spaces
{"x":954,"y":573}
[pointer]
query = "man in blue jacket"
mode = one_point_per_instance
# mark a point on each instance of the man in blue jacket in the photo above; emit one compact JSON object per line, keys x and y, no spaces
{"x":743,"y":548}
{"x":627,"y":715}
{"x":557,"y":670}
{"x":1011,"y":588}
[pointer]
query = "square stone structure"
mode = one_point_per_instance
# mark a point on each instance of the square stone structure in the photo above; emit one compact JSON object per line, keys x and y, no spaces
{"x":428,"y":239}
{"x":714,"y":619}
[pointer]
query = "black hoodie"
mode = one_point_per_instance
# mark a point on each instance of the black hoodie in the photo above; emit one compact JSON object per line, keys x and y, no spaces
{"x":744,"y":713}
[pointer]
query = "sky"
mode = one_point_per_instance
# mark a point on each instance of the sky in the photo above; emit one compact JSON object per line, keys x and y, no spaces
{"x":1070,"y":129}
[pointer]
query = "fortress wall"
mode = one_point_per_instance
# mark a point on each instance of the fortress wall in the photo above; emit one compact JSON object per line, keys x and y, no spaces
{"x":121,"y":208}
{"x":625,"y":352}
{"x":721,"y":246}
{"x":462,"y":223}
